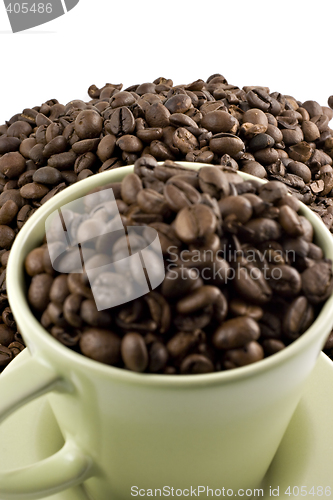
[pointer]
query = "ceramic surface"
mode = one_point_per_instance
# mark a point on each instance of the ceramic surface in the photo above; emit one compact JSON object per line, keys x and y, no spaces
{"x":305,"y":456}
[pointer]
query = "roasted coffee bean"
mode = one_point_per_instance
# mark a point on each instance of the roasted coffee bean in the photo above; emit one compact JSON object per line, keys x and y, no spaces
{"x":272,"y":191}
{"x":16,"y":348}
{"x":238,"y":207}
{"x":193,"y":223}
{"x":62,"y":161}
{"x":179,"y":194}
{"x":298,"y":318}
{"x":47,"y":175}
{"x":34,"y":262}
{"x":241,"y":308}
{"x":93,"y":317}
{"x":199,"y":299}
{"x":159,"y":310}
{"x":151,"y":202}
{"x":290,"y":221}
{"x":7,"y":212}
{"x":6,"y":335}
{"x":251,"y":284}
{"x":6,"y":355}
{"x":130,"y":187}
{"x":254,"y":168}
{"x":272,"y":346}
{"x":235,"y":333}
{"x":39,"y":290}
{"x":285,"y":280}
{"x":158,"y":357}
{"x":184,"y":140}
{"x":100,"y":345}
{"x":214,"y":182}
{"x":12,"y":165}
{"x":71,"y":309}
{"x":59,"y":289}
{"x":225,"y":143}
{"x":181,"y":344}
{"x":57,"y":145}
{"x":317,"y":282}
{"x":88,"y":124}
{"x":8,"y":318}
{"x":263,"y":229}
{"x":134,"y":352}
{"x":34,"y":191}
{"x":9,"y":144}
{"x":7,"y":236}
{"x":249,"y":353}
{"x":196,"y":363}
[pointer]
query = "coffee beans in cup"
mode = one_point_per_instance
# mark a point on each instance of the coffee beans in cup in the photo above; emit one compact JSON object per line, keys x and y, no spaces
{"x":242,"y":276}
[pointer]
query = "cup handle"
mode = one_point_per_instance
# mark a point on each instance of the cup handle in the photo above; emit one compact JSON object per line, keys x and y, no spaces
{"x":68,"y":467}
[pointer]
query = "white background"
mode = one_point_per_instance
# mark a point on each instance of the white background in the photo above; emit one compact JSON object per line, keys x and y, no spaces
{"x":285,"y":45}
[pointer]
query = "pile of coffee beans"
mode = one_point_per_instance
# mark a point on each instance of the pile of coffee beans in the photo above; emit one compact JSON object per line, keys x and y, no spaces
{"x":243,"y":278}
{"x":50,"y":146}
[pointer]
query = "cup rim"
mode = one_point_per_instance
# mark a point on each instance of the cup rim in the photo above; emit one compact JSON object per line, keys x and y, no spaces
{"x":19,"y":304}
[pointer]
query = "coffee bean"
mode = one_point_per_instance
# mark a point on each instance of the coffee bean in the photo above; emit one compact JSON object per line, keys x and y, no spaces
{"x":224,"y":143}
{"x":250,"y":353}
{"x":158,"y":357}
{"x":62,"y":161}
{"x":8,"y":212}
{"x":250,"y":283}
{"x":59,"y":289}
{"x":290,"y":221}
{"x":93,"y":317}
{"x":88,"y":124}
{"x":238,"y":207}
{"x":150,"y":201}
{"x":285,"y":280}
{"x":179,"y":194}
{"x":241,"y":308}
{"x":34,"y":262}
{"x":193,"y":223}
{"x":55,"y":146}
{"x":317,"y":282}
{"x":39,"y":290}
{"x":7,"y":236}
{"x":47,"y":175}
{"x":12,"y":165}
{"x":6,"y":355}
{"x":9,"y":144}
{"x":105,"y":148}
{"x":6,"y":335}
{"x":235,"y":333}
{"x":130,"y":143}
{"x":33,"y":191}
{"x":214,"y":182}
{"x":198,"y":299}
{"x":299,"y":316}
{"x":272,"y":346}
{"x":72,"y":308}
{"x":196,"y":363}
{"x":263,"y":229}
